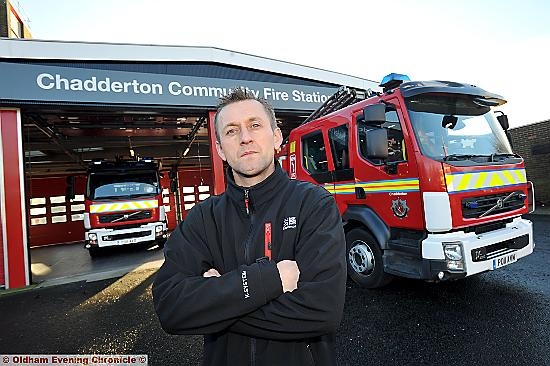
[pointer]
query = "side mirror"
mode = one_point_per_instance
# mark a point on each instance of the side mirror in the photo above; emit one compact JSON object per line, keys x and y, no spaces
{"x":503,"y":120}
{"x":377,"y":143}
{"x":375,"y":114}
{"x":509,"y":136}
{"x":69,"y":188}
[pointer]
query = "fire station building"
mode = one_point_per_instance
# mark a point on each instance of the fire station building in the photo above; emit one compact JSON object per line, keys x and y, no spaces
{"x":65,"y":104}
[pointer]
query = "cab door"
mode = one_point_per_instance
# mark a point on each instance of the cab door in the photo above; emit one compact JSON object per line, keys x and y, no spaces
{"x":389,"y":186}
{"x":342,"y":175}
{"x":326,"y":159}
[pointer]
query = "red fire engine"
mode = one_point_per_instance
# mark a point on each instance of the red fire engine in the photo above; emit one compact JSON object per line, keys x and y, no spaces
{"x":123,"y":205}
{"x":424,"y":176}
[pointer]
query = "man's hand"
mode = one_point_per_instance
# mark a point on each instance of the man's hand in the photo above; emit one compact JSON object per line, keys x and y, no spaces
{"x":289,"y":272}
{"x":212,"y":272}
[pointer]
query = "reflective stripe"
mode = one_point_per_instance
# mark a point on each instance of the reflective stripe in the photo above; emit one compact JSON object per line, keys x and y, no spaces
{"x":460,"y":182}
{"x":123,"y":206}
{"x":383,"y":186}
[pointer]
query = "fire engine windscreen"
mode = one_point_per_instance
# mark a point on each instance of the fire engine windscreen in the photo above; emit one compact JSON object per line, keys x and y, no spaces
{"x":456,"y":127}
{"x":109,"y":185}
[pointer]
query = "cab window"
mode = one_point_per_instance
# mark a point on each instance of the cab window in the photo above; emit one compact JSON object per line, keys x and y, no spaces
{"x":314,"y":154}
{"x":338,"y":137}
{"x":396,"y":143}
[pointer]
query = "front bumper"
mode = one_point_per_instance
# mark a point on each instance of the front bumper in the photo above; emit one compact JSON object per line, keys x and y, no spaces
{"x":117,"y":237}
{"x":481,"y":252}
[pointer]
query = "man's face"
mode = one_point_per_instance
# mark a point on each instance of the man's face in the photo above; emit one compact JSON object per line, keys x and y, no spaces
{"x":247,"y":141}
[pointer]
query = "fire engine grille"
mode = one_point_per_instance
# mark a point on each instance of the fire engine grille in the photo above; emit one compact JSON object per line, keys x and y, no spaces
{"x":123,"y":217}
{"x":139,"y":234}
{"x":473,"y":207}
{"x":498,"y":249}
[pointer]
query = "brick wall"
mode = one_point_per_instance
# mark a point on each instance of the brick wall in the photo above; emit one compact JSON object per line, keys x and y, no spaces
{"x":532,"y":142}
{"x":3,"y":18}
{"x":5,"y":10}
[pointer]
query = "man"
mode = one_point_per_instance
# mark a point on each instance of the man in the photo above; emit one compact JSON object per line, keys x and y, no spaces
{"x":259,"y":270}
{"x":427,"y":141}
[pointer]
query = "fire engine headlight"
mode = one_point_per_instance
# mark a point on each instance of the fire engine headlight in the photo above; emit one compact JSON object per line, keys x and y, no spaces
{"x":453,"y":251}
{"x":158,"y":229}
{"x":92,"y":237}
{"x":454,"y":255}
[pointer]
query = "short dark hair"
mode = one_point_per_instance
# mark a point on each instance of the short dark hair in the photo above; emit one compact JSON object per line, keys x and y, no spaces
{"x":240,"y":94}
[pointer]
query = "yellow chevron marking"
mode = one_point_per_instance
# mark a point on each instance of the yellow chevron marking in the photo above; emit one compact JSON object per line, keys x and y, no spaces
{"x":449,"y":179}
{"x":123,"y":206}
{"x":464,"y":182}
{"x":509,"y":178}
{"x":96,"y":208}
{"x":461,"y":182}
{"x":480,"y":180}
{"x":495,"y":180}
{"x":521,"y":176}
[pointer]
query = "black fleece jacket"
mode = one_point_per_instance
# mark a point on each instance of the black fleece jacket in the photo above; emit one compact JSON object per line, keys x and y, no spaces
{"x":244,"y":314}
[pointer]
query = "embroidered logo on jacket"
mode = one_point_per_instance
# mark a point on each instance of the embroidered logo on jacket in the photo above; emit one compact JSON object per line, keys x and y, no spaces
{"x":289,"y":223}
{"x":245,"y":285}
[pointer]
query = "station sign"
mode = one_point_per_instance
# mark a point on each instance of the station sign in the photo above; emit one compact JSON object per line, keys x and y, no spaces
{"x":46,"y":83}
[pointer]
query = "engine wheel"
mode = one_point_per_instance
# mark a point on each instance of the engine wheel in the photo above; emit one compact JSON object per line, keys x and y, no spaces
{"x":161,"y":242}
{"x":364,"y":259}
{"x":95,"y":252}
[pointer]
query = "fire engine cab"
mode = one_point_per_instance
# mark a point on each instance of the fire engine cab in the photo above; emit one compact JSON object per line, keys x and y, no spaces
{"x":424,"y":177}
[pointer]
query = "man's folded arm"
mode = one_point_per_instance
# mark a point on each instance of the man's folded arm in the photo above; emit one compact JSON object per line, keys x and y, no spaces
{"x":316,"y":307}
{"x":188,"y":303}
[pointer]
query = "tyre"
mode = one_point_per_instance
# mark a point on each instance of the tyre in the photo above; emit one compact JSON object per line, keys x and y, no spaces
{"x":95,"y":252}
{"x":364,"y":259}
{"x":160,"y":242}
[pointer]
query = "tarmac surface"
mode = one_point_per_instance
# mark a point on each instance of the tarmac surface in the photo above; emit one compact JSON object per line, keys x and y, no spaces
{"x":60,"y":264}
{"x":496,"y":318}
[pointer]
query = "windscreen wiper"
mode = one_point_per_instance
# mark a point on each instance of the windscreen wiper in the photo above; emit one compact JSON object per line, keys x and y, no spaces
{"x":504,"y":155}
{"x":459,"y":157}
{"x":499,"y":156}
{"x":125,"y":197}
{"x":104,"y":198}
{"x":140,"y":195}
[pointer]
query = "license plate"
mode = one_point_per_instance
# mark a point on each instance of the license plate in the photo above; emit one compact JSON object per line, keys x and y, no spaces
{"x":504,"y":260}
{"x":126,"y":241}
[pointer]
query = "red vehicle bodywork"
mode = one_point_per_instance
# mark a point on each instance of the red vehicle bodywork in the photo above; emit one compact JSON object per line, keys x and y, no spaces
{"x":393,"y":193}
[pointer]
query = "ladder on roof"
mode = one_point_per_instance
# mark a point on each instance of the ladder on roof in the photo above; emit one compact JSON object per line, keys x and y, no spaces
{"x":343,"y":97}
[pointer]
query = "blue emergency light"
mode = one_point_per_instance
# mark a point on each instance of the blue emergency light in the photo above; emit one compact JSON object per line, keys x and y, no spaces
{"x":393,"y":80}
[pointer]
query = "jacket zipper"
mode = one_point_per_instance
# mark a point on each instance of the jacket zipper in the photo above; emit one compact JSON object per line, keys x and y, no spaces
{"x":248,"y":260}
{"x":248,"y":240}
{"x":252,"y":351}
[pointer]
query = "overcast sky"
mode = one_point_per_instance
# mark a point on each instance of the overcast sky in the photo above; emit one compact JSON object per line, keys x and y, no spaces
{"x":501,"y":46}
